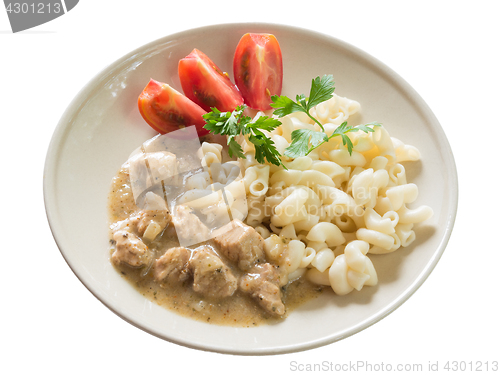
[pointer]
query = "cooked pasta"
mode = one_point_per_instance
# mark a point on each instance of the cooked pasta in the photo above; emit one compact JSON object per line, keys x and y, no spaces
{"x":322,"y":215}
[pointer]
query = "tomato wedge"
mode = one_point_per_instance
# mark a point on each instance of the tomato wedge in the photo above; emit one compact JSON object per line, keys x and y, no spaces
{"x":205,"y":84}
{"x":165,"y":109}
{"x":258,"y":69}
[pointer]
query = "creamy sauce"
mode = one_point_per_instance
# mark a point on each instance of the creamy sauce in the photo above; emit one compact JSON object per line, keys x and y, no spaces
{"x":238,"y":310}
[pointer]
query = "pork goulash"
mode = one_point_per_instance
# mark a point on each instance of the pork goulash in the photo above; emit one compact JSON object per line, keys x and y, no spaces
{"x":225,"y":279}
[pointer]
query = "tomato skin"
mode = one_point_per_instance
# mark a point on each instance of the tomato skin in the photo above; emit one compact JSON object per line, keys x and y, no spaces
{"x":165,"y":109}
{"x":205,"y":84}
{"x":258,"y":69}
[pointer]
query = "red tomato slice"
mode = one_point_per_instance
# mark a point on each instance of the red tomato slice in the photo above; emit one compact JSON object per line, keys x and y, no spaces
{"x":258,"y":69}
{"x":165,"y":109}
{"x":205,"y":84}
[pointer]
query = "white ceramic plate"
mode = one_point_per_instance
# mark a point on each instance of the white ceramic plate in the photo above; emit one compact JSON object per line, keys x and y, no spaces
{"x":102,"y":126}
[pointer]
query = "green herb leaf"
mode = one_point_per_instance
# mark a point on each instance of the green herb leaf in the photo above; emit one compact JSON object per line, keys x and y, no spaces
{"x":366,"y":128}
{"x":321,"y":90}
{"x":264,"y":148}
{"x":302,"y":101}
{"x":235,"y":123}
{"x":231,"y":126}
{"x":342,"y":128}
{"x":213,"y":121}
{"x":265,"y":123}
{"x":284,"y":106}
{"x":347,"y":141}
{"x":301,"y":138}
{"x":234,"y":147}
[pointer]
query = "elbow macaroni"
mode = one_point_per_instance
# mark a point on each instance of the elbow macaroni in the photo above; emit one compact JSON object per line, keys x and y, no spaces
{"x":327,"y":212}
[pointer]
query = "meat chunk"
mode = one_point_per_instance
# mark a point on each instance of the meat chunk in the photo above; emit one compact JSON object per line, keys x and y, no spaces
{"x":173,"y":266}
{"x":150,"y":223}
{"x":130,"y":250}
{"x":241,"y":244}
{"x":146,"y":223}
{"x":212,"y":277}
{"x":262,"y":283}
{"x":189,"y":228}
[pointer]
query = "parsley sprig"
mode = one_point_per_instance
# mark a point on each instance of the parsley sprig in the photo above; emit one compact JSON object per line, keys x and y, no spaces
{"x":304,"y":141}
{"x":321,"y":90}
{"x":235,"y":123}
{"x":302,"y":138}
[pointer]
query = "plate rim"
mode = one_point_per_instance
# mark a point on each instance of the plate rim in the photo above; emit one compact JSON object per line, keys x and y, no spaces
{"x":82,"y":96}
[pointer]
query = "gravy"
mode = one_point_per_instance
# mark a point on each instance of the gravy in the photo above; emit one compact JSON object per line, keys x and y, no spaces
{"x":238,"y":310}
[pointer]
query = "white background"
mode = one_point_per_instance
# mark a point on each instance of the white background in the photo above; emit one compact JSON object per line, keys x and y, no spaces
{"x":447,"y":50}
